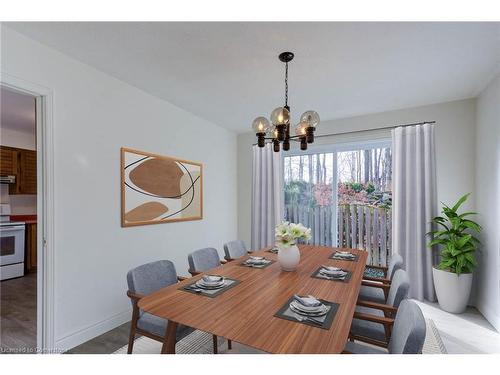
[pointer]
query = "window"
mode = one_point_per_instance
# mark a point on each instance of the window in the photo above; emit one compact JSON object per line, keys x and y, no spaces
{"x":344,"y":195}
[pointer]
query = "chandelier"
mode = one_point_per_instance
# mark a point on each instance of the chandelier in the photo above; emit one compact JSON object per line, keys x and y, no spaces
{"x":278,"y":130}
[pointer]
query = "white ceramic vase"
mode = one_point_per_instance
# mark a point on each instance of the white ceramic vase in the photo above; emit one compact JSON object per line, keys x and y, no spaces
{"x":452,"y":290}
{"x":288,"y":257}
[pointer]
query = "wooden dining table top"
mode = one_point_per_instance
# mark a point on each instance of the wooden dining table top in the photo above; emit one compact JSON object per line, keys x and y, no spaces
{"x":245,"y":313}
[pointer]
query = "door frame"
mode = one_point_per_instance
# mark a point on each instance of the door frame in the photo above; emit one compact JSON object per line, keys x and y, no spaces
{"x":44,"y":98}
{"x":351,"y":145}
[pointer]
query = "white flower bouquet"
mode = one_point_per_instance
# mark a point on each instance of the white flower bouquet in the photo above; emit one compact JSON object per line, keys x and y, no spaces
{"x":288,"y":233}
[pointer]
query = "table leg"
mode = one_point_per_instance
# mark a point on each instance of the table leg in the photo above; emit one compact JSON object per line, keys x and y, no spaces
{"x":168,"y":346}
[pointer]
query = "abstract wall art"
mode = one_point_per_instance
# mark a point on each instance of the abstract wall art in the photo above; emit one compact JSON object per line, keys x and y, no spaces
{"x":159,"y":189}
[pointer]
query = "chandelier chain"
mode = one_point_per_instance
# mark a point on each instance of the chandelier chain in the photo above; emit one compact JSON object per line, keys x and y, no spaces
{"x":286,"y":84}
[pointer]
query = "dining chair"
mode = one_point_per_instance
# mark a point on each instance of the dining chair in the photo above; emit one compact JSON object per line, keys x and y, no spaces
{"x":234,"y":249}
{"x":370,"y":289}
{"x":408,"y":333}
{"x":142,"y":281}
{"x":203,"y":260}
{"x":381,"y":273}
{"x":373,"y":320}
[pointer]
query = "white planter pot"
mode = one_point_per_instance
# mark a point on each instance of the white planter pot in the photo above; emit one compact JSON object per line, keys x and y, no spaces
{"x":452,"y":291}
{"x":288,"y":257}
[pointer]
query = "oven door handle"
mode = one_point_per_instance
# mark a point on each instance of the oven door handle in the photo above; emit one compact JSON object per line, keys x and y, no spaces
{"x":13,"y":227}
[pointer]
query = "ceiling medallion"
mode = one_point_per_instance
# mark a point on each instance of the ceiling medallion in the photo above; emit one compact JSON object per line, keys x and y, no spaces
{"x":278,"y":130}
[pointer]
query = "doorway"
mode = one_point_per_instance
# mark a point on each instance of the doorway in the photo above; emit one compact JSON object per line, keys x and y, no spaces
{"x":42,"y":262}
{"x":18,"y":222}
{"x":344,"y":194}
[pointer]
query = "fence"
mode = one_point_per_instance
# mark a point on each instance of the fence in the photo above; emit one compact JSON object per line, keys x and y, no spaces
{"x":359,"y":226}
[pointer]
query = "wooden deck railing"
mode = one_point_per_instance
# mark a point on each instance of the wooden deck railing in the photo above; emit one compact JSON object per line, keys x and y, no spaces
{"x":359,"y":226}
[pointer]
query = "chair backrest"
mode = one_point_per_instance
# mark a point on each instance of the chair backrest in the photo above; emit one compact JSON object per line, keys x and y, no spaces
{"x":398,"y":291}
{"x":408,"y":333}
{"x":203,"y":259}
{"x":235,"y":249}
{"x":395,"y":264}
{"x":151,"y":277}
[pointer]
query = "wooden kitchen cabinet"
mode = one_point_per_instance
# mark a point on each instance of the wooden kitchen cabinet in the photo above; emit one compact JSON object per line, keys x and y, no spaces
{"x":8,"y":161}
{"x":30,"y":247}
{"x":27,"y":172}
{"x":22,"y":164}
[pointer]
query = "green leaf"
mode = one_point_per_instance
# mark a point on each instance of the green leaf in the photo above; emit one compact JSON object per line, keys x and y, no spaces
{"x":460,"y":202}
{"x":462,"y":241}
{"x":467,"y":214}
{"x":436,"y":241}
{"x":471,"y":225}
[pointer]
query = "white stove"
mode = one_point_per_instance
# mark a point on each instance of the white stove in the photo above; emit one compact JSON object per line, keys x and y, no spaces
{"x":11,"y":245}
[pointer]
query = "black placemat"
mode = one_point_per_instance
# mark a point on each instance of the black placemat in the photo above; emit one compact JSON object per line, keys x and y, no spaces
{"x":259,"y":266}
{"x":355,"y":259}
{"x":317,"y":275}
{"x":211,"y":292}
{"x":286,"y":313}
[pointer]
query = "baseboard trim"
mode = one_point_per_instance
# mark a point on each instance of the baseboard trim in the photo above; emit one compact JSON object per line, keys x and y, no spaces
{"x":85,"y":334}
{"x":489,"y":314}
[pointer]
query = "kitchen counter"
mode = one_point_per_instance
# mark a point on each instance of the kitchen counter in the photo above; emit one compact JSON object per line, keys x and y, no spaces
{"x":28,"y":219}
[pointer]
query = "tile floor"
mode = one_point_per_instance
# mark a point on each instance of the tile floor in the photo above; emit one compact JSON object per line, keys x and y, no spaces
{"x":18,"y":315}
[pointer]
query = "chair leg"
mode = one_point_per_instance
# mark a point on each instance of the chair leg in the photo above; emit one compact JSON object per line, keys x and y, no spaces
{"x":131,"y":339}
{"x":229,"y":345}
{"x":214,"y":339}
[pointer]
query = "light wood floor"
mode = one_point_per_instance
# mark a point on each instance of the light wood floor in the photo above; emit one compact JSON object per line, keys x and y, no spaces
{"x":467,"y":333}
{"x":18,"y":315}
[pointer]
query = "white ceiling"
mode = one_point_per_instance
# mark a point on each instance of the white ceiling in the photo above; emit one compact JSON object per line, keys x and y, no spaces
{"x":17,"y":111}
{"x":229,"y":73}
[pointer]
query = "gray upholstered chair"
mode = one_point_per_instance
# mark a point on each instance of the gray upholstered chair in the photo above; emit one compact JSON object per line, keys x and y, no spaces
{"x":234,"y":249}
{"x":372,"y":320}
{"x":142,"y":281}
{"x":204,"y":259}
{"x":370,"y":287}
{"x":384,"y":274}
{"x":408,"y":333}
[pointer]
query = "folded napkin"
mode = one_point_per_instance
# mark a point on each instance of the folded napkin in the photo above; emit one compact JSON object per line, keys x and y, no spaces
{"x":308,"y":301}
{"x":212,"y":278}
{"x":256,"y":258}
{"x":344,"y":254}
{"x":331,"y":268}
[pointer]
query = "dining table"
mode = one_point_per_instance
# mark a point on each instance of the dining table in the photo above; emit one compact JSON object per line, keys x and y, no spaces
{"x":246,"y":312}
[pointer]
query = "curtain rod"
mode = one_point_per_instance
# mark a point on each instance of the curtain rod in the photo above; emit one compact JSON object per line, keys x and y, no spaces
{"x":365,"y":130}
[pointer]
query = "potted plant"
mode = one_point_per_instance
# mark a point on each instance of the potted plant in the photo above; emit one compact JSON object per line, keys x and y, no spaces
{"x":453,"y":275}
{"x":287,"y":235}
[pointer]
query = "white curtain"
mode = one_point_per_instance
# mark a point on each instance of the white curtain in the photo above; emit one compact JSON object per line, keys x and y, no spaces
{"x":267,"y":195}
{"x":414,"y":204}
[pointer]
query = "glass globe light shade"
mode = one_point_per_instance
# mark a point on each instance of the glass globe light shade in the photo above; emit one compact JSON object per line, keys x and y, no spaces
{"x":311,"y":117}
{"x":272,"y":132}
{"x":280,"y":116}
{"x":300,"y":129}
{"x":260,"y":125}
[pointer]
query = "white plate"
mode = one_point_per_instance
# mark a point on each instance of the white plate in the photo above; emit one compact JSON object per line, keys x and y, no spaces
{"x":339,"y":273}
{"x":201,"y":284}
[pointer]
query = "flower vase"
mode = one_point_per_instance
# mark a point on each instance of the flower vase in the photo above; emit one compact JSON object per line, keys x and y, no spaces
{"x":288,"y":257}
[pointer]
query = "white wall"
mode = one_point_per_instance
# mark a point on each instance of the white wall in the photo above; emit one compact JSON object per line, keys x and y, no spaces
{"x":455,"y":145}
{"x":488,"y":200}
{"x":15,"y":138}
{"x":95,"y":115}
